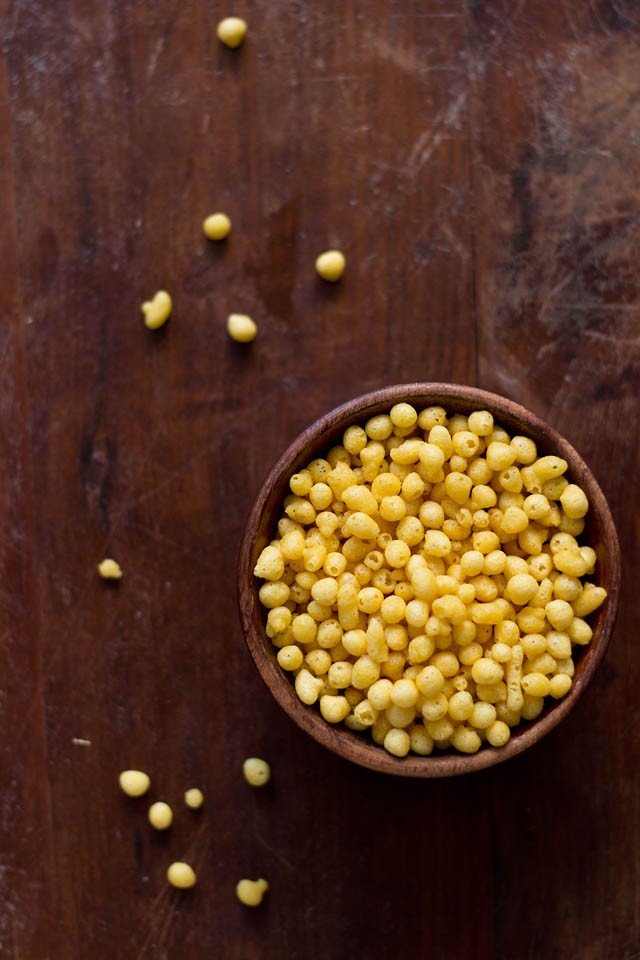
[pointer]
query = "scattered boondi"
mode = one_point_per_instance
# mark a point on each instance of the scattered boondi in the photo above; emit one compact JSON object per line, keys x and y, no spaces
{"x":241,"y":328}
{"x":217,"y":226}
{"x":181,"y":875}
{"x":251,"y":892}
{"x":330,"y":265}
{"x":256,"y":771}
{"x":194,"y":798}
{"x":160,"y":815}
{"x":157,"y":310}
{"x":134,"y":783}
{"x":110,"y":570}
{"x":232,"y":31}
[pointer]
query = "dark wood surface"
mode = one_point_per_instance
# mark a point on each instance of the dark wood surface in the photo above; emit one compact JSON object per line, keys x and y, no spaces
{"x":478,"y":164}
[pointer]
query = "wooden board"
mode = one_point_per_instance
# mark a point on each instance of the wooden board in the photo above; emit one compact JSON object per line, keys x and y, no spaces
{"x":477,"y":162}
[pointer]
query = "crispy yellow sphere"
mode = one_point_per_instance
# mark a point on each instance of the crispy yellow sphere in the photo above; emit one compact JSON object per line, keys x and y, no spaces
{"x":216,"y":226}
{"x":160,"y":815}
{"x":194,"y":798}
{"x":241,"y":328}
{"x":110,"y":570}
{"x":181,"y":875}
{"x":134,"y":783}
{"x":330,"y":265}
{"x":231,"y":31}
{"x":251,"y":892}
{"x":256,"y":772}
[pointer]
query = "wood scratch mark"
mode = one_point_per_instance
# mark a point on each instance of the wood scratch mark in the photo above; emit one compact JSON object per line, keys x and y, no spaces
{"x":496,"y":43}
{"x":166,"y":923}
{"x":406,"y":60}
{"x":16,"y":949}
{"x":160,"y":538}
{"x":429,"y":140}
{"x":596,"y":16}
{"x":624,"y":16}
{"x":590,"y":306}
{"x":155,"y":56}
{"x":613,"y":338}
{"x":168,"y":480}
{"x":166,"y":902}
{"x":551,"y":295}
{"x":334,"y":78}
{"x":158,"y":906}
{"x":566,"y":9}
{"x":276,"y":853}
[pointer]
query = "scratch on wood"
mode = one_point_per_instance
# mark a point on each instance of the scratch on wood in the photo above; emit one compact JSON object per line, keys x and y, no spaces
{"x":168,"y":480}
{"x":159,"y":916}
{"x":158,"y":906}
{"x":276,"y":853}
{"x":429,"y":140}
{"x":613,"y":338}
{"x":155,"y":56}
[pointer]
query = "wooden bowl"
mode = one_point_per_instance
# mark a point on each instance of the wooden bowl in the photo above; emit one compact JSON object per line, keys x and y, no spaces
{"x":260,"y":529}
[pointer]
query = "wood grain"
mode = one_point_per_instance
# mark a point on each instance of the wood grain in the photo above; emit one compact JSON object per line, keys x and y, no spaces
{"x":26,"y":852}
{"x":476,"y":162}
{"x":561,"y":332}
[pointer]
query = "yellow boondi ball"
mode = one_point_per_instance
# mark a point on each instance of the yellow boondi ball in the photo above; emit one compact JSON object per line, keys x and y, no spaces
{"x":256,"y":772}
{"x":160,"y":815}
{"x":231,"y":31}
{"x":241,"y":328}
{"x":330,"y":265}
{"x":181,"y":875}
{"x":134,"y":783}
{"x":251,"y":892}
{"x":110,"y":570}
{"x":216,"y":226}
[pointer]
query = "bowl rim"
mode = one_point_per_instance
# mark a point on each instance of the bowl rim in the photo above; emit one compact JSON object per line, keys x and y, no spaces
{"x":354,"y":746}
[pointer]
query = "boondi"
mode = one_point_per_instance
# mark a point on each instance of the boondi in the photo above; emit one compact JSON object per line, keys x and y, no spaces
{"x":426,"y":580}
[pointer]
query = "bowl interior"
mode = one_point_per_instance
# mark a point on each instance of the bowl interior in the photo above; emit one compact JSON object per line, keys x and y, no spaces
{"x":316,"y":441}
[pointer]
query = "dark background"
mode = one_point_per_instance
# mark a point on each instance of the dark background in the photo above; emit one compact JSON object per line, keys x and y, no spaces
{"x":478,"y":162}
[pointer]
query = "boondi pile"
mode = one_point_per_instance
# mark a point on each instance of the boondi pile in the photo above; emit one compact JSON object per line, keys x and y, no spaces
{"x":426,"y":580}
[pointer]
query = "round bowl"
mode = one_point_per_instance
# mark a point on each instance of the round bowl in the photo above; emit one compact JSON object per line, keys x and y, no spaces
{"x":317,"y":440}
